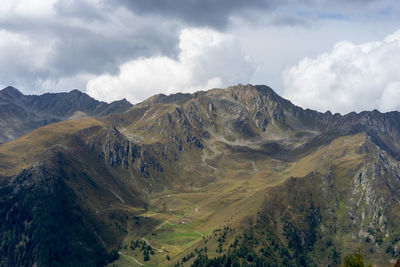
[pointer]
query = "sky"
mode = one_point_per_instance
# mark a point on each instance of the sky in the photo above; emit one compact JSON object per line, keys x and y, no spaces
{"x":340,"y":55}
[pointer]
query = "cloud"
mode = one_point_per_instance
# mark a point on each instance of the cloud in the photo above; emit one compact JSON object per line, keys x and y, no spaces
{"x":23,"y":8}
{"x":21,"y":55}
{"x":47,"y":43}
{"x":209,"y":13}
{"x":58,"y":45}
{"x":206,"y":59}
{"x":217,"y":14}
{"x":349,"y":78}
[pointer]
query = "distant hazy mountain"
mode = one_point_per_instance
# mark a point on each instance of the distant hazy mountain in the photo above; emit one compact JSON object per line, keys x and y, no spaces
{"x":216,"y":178}
{"x":20,"y":114}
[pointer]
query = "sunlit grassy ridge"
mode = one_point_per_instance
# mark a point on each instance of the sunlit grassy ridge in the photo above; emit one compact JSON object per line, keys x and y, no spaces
{"x":25,"y":151}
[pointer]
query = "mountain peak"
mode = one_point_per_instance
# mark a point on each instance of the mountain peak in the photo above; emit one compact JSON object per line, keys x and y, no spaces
{"x":11,"y":91}
{"x":264,"y":89}
{"x":76,"y":91}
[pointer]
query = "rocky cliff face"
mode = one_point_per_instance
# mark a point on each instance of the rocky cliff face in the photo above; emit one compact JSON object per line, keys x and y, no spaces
{"x":20,"y":114}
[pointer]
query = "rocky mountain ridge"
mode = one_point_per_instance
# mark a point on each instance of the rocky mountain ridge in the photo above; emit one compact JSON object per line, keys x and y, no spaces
{"x":20,"y":114}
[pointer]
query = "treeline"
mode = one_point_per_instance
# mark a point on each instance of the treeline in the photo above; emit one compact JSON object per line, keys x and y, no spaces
{"x":245,"y":250}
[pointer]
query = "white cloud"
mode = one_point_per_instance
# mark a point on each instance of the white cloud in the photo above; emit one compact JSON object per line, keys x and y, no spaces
{"x":27,"y":8}
{"x":69,"y":82}
{"x":17,"y":52}
{"x":350,"y":78}
{"x":207,"y":59}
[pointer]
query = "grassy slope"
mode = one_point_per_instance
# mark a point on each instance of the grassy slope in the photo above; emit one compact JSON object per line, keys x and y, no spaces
{"x":95,"y":190}
{"x":24,"y":152}
{"x":240,"y":190}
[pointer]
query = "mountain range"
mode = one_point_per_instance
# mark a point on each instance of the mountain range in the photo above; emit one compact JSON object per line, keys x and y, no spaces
{"x":20,"y":114}
{"x":225,"y":177}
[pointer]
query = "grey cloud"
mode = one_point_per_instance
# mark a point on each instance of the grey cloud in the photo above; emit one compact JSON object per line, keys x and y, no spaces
{"x":216,"y":13}
{"x":213,"y":13}
{"x":79,"y":49}
{"x":80,"y":9}
{"x":83,"y":38}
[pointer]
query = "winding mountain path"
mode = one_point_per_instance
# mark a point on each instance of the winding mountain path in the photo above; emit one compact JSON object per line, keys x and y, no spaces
{"x":141,"y":264}
{"x":148,"y":243}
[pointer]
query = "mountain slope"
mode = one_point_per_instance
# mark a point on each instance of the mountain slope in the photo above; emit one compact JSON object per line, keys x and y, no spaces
{"x":20,"y":114}
{"x":237,"y":174}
